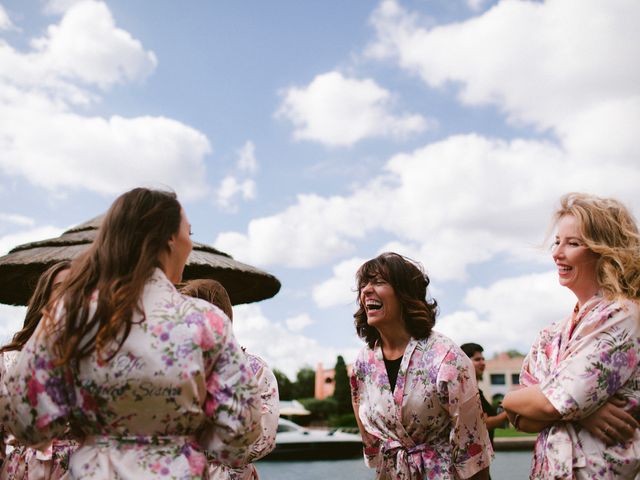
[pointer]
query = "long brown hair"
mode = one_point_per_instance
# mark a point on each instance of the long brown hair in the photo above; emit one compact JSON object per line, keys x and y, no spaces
{"x":210,"y":290}
{"x":609,"y":230}
{"x":409,"y":283}
{"x":122,"y":258}
{"x":37,"y":303}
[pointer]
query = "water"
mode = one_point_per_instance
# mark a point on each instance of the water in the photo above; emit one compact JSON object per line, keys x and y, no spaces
{"x":506,"y":466}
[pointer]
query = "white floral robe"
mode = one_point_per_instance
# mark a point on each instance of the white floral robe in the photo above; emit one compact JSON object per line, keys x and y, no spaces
{"x":180,"y":385}
{"x":431,"y":426}
{"x":266,"y":442}
{"x":578,"y":372}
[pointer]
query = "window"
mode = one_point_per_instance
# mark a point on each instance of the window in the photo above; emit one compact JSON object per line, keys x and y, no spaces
{"x":498,"y":379}
{"x":515,"y":378}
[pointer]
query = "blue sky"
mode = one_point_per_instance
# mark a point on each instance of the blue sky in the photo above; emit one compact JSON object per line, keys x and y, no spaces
{"x":306,"y":137}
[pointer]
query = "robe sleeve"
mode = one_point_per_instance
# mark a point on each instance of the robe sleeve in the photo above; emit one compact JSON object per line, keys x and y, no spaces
{"x":34,"y":398}
{"x":598,"y":364}
{"x":270,"y":409}
{"x":459,"y":395}
{"x":232,"y":403}
{"x":371,"y":444}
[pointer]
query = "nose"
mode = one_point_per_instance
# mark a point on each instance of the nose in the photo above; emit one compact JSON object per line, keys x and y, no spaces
{"x":367,"y":287}
{"x":557,"y":252}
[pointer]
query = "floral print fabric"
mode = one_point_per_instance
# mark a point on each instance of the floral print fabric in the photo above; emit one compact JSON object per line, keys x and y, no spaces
{"x":580,"y":363}
{"x":270,"y":413}
{"x":179,"y":386}
{"x":431,"y":426}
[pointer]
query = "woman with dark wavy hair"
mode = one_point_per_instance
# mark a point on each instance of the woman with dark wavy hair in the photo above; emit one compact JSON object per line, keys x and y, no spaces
{"x":414,"y":391}
{"x":147,"y":378}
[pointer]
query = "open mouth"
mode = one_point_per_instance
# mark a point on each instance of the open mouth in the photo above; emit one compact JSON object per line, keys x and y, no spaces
{"x":373,"y":305}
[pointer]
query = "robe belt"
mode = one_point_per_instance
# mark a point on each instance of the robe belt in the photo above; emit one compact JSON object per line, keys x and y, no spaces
{"x":411,"y":456}
{"x":154,"y":440}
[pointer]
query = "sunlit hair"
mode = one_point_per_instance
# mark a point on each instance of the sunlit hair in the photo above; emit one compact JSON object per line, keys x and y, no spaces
{"x":609,"y":230}
{"x":120,"y":261}
{"x":409,"y":283}
{"x":210,"y":290}
{"x":39,"y":300}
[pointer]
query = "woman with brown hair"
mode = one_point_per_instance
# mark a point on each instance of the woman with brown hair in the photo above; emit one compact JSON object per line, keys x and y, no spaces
{"x":581,"y":377}
{"x":213,"y":292}
{"x":414,"y":391}
{"x":49,"y":461}
{"x":147,"y":378}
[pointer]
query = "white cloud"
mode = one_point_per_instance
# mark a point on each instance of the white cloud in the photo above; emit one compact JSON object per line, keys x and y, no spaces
{"x":16,"y":219}
{"x":53,"y":146}
{"x":7,"y":242}
{"x":11,"y":320}
{"x":5,"y":21}
{"x":565,"y":65}
{"x":230,"y":187}
{"x":450,"y":204}
{"x":509,"y":313}
{"x":247,"y":162}
{"x":299,"y":322}
{"x":340,"y":289}
{"x":278,"y":346}
{"x":340,"y":111}
{"x":60,"y":6}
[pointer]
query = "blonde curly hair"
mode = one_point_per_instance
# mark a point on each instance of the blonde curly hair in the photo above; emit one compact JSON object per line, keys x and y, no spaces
{"x":609,"y":230}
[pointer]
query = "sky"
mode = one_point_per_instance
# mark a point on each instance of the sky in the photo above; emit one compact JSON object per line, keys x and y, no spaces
{"x":307,"y":137}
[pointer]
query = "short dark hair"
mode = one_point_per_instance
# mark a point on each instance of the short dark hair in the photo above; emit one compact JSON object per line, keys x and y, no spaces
{"x":409,"y":283}
{"x":471,"y":349}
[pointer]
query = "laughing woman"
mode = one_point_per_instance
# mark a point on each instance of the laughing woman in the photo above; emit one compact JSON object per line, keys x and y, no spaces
{"x":581,"y":377}
{"x":414,"y":391}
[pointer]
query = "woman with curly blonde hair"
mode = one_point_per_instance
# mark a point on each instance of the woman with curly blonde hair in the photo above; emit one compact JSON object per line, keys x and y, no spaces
{"x":581,"y":377}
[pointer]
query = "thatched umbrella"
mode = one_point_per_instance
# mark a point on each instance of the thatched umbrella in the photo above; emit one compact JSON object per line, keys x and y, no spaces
{"x":22,"y":266}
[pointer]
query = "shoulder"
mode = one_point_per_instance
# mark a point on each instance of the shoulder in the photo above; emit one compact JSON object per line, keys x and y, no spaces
{"x":620,"y":311}
{"x":257,"y":364}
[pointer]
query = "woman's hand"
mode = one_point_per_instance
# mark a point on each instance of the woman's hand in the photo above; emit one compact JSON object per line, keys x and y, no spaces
{"x":611,"y":423}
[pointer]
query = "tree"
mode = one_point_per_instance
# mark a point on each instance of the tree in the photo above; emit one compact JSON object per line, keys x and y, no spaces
{"x":285,"y":387}
{"x":305,"y":384}
{"x":342,"y":392}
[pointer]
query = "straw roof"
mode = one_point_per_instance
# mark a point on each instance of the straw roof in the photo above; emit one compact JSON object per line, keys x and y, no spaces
{"x":23,"y":265}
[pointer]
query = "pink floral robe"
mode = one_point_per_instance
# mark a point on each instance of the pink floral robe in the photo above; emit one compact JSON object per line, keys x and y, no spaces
{"x":179,"y":386}
{"x":266,"y":442}
{"x":578,"y":372}
{"x":431,"y":426}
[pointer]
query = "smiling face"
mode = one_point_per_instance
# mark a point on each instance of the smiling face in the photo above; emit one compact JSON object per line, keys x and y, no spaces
{"x":380,"y":303}
{"x":577,"y":264}
{"x":478,"y":363}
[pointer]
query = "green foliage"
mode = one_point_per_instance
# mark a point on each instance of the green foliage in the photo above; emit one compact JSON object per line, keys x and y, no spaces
{"x":514,"y":354}
{"x":285,"y":386}
{"x":342,"y":392}
{"x":346,"y":420}
{"x":320,"y":409}
{"x":305,"y":384}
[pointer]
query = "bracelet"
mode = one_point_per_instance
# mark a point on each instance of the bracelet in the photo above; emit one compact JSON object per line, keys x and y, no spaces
{"x":516,"y":422}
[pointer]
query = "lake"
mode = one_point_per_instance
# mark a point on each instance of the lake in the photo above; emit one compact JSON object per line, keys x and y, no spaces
{"x":506,"y":466}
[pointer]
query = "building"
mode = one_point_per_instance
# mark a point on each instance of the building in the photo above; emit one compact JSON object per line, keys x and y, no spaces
{"x":325,"y":383}
{"x":502,"y":374}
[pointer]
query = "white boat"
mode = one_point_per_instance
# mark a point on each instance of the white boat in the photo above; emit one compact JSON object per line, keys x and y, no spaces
{"x":294,"y":442}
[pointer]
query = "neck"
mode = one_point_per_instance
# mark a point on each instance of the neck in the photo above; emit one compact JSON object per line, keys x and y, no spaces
{"x":394,"y":343}
{"x":585,"y":295}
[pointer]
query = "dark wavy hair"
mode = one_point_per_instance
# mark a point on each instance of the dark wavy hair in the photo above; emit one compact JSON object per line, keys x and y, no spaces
{"x":37,"y":303}
{"x":210,"y":290}
{"x":134,"y":232}
{"x":409,"y":283}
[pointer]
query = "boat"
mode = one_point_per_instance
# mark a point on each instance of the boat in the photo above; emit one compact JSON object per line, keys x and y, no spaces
{"x":294,"y":442}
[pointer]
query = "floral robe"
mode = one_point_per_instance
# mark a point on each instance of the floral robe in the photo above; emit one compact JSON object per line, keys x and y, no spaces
{"x":431,"y":426}
{"x":266,"y":442}
{"x":50,"y":461}
{"x":578,"y":371}
{"x":180,"y":385}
